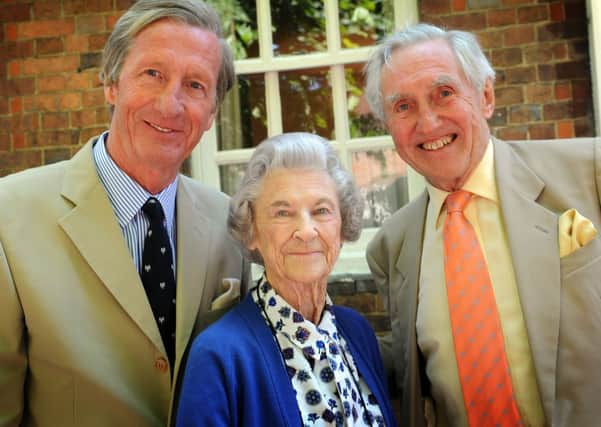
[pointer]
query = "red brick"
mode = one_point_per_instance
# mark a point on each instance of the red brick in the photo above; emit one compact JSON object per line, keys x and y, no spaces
{"x":83,"y":118}
{"x":76,"y":7}
{"x":435,"y":7}
{"x":90,"y":24}
{"x":466,"y":21}
{"x":583,"y":127}
{"x":76,"y":43}
{"x":24,"y":122}
{"x":45,"y":9}
{"x":490,"y":38}
{"x":70,"y":101}
{"x":557,"y":111}
{"x":563,"y":91}
{"x":10,"y":32}
{"x":18,"y":140}
{"x":539,"y":93}
{"x":572,"y":70}
{"x":93,"y":98}
{"x":19,"y":160}
{"x":103,"y":116}
{"x":54,"y":138}
{"x":509,"y":95}
{"x":78,"y":81}
{"x":519,"y":35}
{"x":97,"y":41}
{"x":16,"y":105}
{"x":51,"y":65}
{"x":565,"y":129}
{"x":17,"y":87}
{"x":88,"y":133}
{"x":53,"y":155}
{"x":560,"y":51}
{"x":542,"y":131}
{"x":14,"y":12}
{"x":546,"y":72}
{"x":524,"y":113}
{"x":51,"y":83}
{"x":40,"y":103}
{"x":520,"y":74}
{"x":507,"y":57}
{"x":514,"y":133}
{"x":532,"y":14}
{"x":501,"y":17}
{"x":556,"y":12}
{"x":4,"y":105}
{"x":14,"y":68}
{"x":55,"y":120}
{"x":48,"y":46}
{"x":459,"y":5}
{"x":575,"y":10}
{"x":124,"y":4}
{"x":37,"y":29}
{"x":581,"y":89}
{"x":515,"y":2}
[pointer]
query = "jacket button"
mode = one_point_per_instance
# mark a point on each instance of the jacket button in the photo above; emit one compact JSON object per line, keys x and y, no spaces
{"x":161,"y":364}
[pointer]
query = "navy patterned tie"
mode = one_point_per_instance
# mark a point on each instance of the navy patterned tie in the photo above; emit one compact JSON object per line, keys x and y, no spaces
{"x":158,"y":274}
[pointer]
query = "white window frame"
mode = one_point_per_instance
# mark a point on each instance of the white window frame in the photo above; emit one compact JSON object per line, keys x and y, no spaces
{"x":593,"y":8}
{"x":206,"y":158}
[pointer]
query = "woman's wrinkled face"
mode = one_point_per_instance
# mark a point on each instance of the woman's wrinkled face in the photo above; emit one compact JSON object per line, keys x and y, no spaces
{"x":297,"y":225}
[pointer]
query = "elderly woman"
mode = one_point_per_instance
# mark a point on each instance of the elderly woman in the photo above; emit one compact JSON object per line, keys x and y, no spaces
{"x":285,"y":356}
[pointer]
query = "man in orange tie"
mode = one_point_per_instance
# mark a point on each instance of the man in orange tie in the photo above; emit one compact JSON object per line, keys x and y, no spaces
{"x":492,"y":276}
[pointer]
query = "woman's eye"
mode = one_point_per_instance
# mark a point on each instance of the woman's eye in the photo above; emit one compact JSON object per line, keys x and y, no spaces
{"x":152,"y":73}
{"x":196,"y":85}
{"x":322,"y":211}
{"x":402,"y":107}
{"x":282,"y":214}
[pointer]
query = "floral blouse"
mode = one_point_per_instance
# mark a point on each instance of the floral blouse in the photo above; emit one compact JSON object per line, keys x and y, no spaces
{"x":329,"y":389}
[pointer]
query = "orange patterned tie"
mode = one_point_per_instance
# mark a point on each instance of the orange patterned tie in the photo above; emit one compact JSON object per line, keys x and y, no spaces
{"x":477,"y":334}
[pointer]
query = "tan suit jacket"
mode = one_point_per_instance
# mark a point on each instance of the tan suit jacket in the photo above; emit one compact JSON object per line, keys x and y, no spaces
{"x":79,"y":345}
{"x":561,"y":298}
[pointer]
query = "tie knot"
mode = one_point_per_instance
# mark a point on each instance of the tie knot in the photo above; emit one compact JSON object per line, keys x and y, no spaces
{"x":153,"y":209}
{"x":457,"y":201}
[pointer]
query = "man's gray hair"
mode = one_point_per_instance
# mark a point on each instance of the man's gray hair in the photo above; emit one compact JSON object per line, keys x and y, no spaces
{"x":145,"y":12}
{"x":292,"y":151}
{"x":465,"y":47}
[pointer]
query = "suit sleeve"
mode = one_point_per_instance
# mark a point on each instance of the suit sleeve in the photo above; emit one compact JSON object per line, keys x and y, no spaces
{"x":13,"y":357}
{"x":375,"y":259}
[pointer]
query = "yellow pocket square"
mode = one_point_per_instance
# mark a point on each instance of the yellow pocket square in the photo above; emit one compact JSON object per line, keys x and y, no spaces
{"x":575,"y":231}
{"x":229,"y":293}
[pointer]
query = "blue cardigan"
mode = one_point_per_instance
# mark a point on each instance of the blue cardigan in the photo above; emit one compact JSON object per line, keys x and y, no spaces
{"x":235,"y":375}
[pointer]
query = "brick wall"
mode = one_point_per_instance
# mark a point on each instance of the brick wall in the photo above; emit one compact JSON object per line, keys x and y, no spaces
{"x":51,"y":99}
{"x":539,"y":50}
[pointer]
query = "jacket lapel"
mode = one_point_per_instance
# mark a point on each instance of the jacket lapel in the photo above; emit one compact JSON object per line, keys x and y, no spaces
{"x":92,"y":227}
{"x":532,"y":235}
{"x":193,"y":247}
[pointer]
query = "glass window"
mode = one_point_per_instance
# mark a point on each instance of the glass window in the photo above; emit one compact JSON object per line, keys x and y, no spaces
{"x":299,"y":66}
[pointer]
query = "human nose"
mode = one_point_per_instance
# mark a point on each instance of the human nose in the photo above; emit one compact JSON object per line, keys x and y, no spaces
{"x":169,"y":102}
{"x":305,"y":228}
{"x":427,"y":119}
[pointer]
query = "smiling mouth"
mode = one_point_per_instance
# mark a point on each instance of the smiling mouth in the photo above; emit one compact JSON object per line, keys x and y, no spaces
{"x":159,"y":128}
{"x":439,"y":143}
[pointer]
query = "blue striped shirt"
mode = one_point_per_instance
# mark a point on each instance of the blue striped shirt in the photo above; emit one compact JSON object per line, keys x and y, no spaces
{"x":127,"y":198}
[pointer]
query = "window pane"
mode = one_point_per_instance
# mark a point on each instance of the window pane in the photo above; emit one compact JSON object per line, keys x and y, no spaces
{"x":242,"y":119}
{"x":363,"y":22}
{"x":299,"y":26}
{"x":362,"y":122}
{"x":231,"y":176}
{"x":382,"y":177}
{"x":307,"y":102}
{"x":239,"y":21}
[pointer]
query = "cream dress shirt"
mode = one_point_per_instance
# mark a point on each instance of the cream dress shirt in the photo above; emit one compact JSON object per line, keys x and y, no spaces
{"x":433,"y":325}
